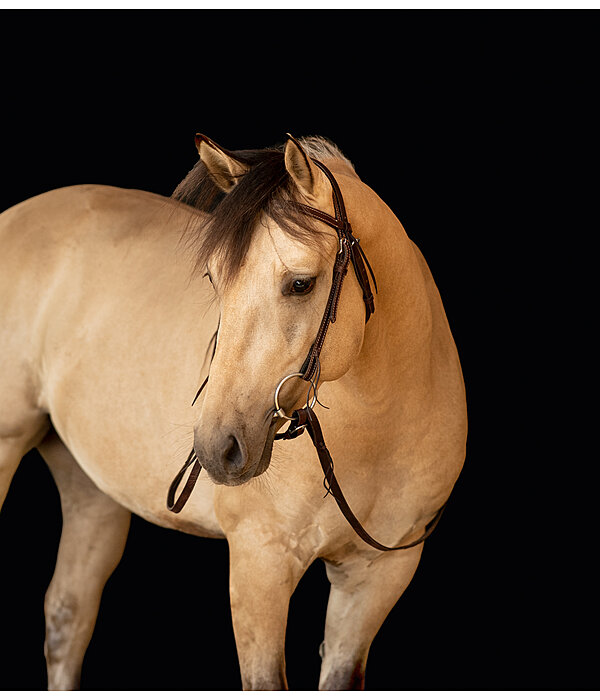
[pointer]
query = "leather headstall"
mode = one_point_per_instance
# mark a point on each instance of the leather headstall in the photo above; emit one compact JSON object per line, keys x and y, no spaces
{"x":349,"y":250}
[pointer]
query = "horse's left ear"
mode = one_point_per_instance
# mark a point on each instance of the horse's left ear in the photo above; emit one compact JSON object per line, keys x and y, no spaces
{"x":224,"y":168}
{"x":308,"y":177}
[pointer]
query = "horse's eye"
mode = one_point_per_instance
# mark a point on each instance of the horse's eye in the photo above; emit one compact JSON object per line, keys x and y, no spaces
{"x":207,"y":274}
{"x":302,"y":286}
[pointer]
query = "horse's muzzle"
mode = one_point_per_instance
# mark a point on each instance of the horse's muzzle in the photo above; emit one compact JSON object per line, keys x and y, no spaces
{"x":227,"y":458}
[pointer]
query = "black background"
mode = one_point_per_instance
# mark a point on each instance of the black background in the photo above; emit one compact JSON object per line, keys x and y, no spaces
{"x":465,"y":123}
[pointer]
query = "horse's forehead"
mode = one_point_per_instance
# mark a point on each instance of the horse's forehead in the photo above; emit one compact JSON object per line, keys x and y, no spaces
{"x":276,"y":249}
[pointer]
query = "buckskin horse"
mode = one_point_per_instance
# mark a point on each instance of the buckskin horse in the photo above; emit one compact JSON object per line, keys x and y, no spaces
{"x":274,"y":285}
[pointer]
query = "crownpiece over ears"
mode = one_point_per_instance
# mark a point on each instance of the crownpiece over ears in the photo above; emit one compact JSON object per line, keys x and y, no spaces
{"x":223,"y":167}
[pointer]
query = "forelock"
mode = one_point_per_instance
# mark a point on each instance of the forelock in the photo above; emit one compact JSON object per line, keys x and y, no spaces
{"x":266,"y":190}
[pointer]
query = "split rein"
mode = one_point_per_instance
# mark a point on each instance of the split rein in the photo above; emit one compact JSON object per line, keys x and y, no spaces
{"x":305,"y":418}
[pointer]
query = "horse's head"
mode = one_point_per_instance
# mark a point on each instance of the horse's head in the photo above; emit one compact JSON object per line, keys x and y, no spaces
{"x":272,"y":288}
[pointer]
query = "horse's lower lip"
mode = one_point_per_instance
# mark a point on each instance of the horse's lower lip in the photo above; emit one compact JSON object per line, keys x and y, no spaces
{"x":235,"y":481}
{"x":265,"y":458}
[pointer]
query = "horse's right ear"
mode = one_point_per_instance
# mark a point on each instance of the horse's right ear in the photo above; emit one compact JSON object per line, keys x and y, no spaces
{"x":223,"y":167}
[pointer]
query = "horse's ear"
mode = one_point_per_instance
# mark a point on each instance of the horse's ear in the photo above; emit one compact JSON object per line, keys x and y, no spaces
{"x":223,"y":167}
{"x":307,"y":176}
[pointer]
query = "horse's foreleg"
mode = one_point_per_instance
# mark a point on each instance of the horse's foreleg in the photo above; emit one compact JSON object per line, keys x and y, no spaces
{"x":362,"y":594}
{"x":92,"y":542}
{"x":262,"y":579}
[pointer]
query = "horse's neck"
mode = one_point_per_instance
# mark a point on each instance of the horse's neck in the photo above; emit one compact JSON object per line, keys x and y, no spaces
{"x":396,"y":352}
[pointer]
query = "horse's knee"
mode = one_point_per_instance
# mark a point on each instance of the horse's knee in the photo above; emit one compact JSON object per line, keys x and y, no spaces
{"x":63,"y":648}
{"x":61,"y":613}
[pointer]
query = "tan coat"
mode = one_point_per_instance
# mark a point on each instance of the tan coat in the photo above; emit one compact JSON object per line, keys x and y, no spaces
{"x":104,"y":331}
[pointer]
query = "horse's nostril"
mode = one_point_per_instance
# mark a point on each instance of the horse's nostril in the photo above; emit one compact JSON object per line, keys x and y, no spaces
{"x":233,"y":453}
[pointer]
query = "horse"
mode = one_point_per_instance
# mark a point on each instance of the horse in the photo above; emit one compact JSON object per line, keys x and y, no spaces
{"x":116,"y":305}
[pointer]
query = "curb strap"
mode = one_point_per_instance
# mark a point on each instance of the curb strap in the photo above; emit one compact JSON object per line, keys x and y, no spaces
{"x":306,"y":418}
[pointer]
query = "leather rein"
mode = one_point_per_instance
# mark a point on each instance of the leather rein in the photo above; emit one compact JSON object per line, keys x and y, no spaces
{"x":302,"y":419}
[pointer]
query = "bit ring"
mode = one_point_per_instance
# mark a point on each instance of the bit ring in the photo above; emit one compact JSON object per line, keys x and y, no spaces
{"x":279,"y":412}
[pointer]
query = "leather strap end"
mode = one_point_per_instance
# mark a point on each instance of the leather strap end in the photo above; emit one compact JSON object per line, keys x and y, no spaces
{"x":173,"y":505}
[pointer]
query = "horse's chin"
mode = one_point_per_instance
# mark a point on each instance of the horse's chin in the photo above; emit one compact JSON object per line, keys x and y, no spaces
{"x":261,"y":466}
{"x":265,"y":458}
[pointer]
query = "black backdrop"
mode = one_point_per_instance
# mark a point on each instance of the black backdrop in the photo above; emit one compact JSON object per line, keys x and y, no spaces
{"x":457,"y":119}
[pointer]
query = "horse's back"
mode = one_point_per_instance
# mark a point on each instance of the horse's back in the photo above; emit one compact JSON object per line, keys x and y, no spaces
{"x":48,"y":221}
{"x":40,"y":235}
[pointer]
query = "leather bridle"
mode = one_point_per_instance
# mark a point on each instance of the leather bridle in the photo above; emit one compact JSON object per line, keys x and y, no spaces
{"x":349,"y":250}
